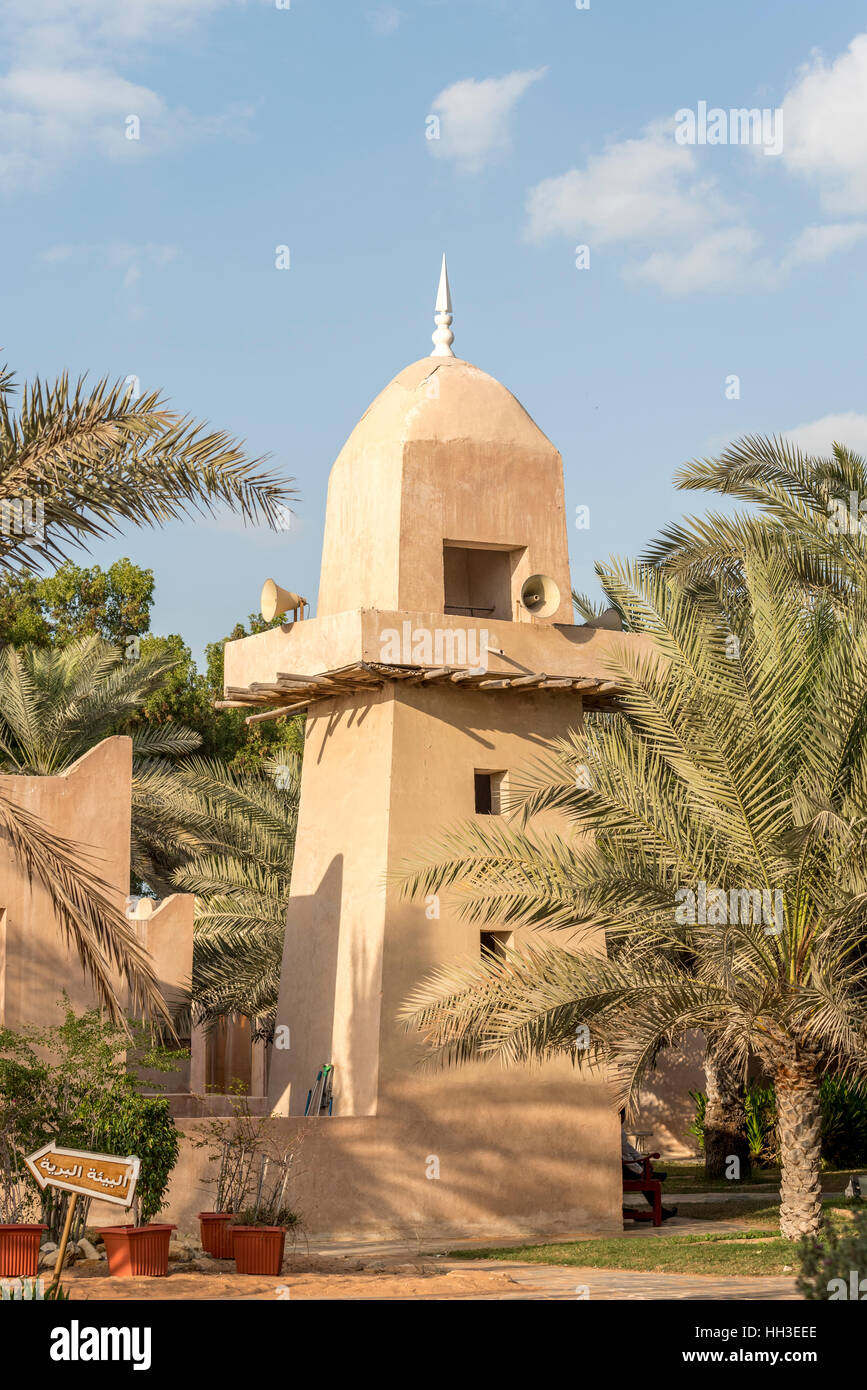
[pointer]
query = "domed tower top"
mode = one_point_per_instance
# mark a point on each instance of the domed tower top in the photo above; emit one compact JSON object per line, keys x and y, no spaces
{"x":445,"y":498}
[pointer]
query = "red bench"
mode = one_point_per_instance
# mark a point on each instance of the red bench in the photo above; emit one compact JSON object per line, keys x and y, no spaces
{"x":646,"y":1183}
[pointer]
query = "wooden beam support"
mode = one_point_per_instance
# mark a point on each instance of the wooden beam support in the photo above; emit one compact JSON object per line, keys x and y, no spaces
{"x":303,"y":680}
{"x":277,"y":713}
{"x":241,"y":692}
{"x":495,"y":685}
{"x":530,"y":680}
{"x":556,"y":684}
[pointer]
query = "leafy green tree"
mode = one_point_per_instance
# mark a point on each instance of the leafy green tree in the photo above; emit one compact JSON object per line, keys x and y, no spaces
{"x":23,"y":620}
{"x":182,"y":695}
{"x":56,"y":703}
{"x":76,"y":602}
{"x":744,"y":769}
{"x":247,"y":747}
{"x":114,"y":603}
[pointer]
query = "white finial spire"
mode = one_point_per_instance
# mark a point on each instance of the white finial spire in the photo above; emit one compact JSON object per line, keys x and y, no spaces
{"x":443,"y":337}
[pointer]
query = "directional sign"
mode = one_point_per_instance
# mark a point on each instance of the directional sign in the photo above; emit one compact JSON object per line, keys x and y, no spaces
{"x":91,"y":1175}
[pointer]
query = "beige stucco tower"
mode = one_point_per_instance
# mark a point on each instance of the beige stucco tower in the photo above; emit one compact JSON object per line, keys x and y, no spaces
{"x":443,"y":503}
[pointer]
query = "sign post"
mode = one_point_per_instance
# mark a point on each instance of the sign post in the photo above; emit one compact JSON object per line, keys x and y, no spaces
{"x":83,"y":1174}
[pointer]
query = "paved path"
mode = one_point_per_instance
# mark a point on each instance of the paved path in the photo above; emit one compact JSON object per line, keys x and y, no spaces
{"x":569,"y":1282}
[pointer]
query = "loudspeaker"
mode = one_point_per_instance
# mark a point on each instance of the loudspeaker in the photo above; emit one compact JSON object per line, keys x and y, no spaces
{"x":608,"y":621}
{"x":540,"y":595}
{"x":275,"y":601}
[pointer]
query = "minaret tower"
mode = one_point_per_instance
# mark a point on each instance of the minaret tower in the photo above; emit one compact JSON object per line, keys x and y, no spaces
{"x":442,"y":657}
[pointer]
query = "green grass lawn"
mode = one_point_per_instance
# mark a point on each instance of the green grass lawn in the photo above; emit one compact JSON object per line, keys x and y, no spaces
{"x":746,"y":1253}
{"x":689,"y":1177}
{"x":756,"y":1251}
{"x":754,"y":1213}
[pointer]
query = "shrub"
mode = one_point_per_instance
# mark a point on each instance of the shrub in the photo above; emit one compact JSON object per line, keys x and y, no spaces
{"x":844,"y":1122}
{"x":834,"y":1263}
{"x":75,"y":1084}
{"x":257,"y":1164}
{"x":142,"y":1125}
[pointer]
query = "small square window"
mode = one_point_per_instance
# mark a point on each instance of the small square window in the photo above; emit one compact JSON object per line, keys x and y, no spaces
{"x":494,"y":943}
{"x":489,"y":793}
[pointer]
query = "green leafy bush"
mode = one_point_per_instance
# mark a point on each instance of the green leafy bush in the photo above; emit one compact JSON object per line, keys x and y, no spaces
{"x":76,"y":1084}
{"x":834,"y":1264}
{"x":844,"y":1122}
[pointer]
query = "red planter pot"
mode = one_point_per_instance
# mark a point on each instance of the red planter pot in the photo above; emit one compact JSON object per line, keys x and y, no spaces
{"x":137,"y":1251}
{"x":258,"y":1249}
{"x":216,"y":1233}
{"x":19,"y":1251}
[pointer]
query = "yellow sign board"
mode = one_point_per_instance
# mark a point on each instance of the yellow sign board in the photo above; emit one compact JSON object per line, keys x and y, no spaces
{"x":90,"y":1175}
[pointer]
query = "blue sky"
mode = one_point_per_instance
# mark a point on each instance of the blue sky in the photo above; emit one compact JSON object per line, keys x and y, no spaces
{"x":307,"y":127}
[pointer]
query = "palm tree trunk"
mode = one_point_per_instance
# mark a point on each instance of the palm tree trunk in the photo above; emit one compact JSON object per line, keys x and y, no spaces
{"x":799,"y":1121}
{"x":725,"y":1125}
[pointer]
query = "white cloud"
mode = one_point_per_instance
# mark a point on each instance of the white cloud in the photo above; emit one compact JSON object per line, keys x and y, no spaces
{"x":385,"y":20}
{"x":63,"y":98}
{"x":816,"y":437}
{"x":655,"y":198}
{"x":648,"y":194}
{"x":108,"y":21}
{"x":818,"y":243}
{"x":826,"y":127}
{"x":713,"y":262}
{"x":636,"y":189}
{"x":474,"y":117}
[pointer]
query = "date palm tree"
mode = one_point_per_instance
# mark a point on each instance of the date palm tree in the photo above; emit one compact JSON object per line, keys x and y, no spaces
{"x":807,"y":507}
{"x":724,"y":1128}
{"x":75,"y":464}
{"x":737,"y":775}
{"x":229,"y":837}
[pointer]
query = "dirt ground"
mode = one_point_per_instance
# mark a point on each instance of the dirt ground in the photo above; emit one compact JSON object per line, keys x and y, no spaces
{"x":302,"y":1278}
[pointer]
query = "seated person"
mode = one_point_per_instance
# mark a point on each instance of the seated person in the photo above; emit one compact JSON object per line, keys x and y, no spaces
{"x":633,"y":1167}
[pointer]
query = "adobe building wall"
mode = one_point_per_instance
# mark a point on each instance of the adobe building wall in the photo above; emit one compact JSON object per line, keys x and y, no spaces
{"x":384,"y":774}
{"x":89,"y":804}
{"x":366,"y":1177}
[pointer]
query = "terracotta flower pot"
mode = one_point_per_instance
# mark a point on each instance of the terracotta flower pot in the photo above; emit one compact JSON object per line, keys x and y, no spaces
{"x":216,"y":1233}
{"x":19,"y":1250}
{"x":136,"y":1251}
{"x":258,"y":1249}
